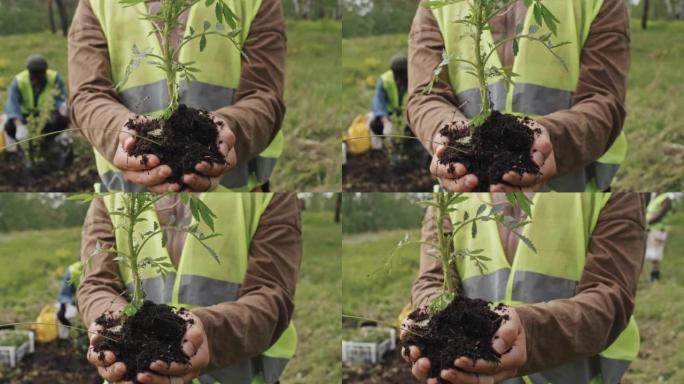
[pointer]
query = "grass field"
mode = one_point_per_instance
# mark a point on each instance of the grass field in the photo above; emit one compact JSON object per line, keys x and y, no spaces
{"x":654,"y":106}
{"x":659,"y":310}
{"x":312,"y":88}
{"x":30,"y":278}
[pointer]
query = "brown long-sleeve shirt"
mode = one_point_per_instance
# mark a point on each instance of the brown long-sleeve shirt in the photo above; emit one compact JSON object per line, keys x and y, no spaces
{"x":562,"y":331}
{"x":255,"y":117}
{"x":579,"y":135}
{"x":236,"y":330}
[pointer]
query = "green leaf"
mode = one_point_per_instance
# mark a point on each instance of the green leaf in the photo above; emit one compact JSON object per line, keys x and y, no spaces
{"x":164,"y":239}
{"x":466,"y":216}
{"x":473,"y":230}
{"x":219,"y":12}
{"x":203,"y":43}
{"x":230,"y":17}
{"x":481,"y":209}
{"x":442,"y":301}
{"x":537,"y":13}
{"x":516,"y":47}
{"x":525,"y":240}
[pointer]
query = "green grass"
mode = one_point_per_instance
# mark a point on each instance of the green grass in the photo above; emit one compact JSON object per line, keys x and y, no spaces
{"x":311,"y":125}
{"x":33,"y":263}
{"x":654,"y":106}
{"x":317,"y":304}
{"x":659,"y":309}
{"x":367,"y":288}
{"x":660,"y":316}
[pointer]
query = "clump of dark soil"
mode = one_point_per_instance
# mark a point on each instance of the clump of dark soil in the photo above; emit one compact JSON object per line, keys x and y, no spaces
{"x":186,"y":139}
{"x":501,"y":145}
{"x":154,"y":333}
{"x":375,"y":171}
{"x":464,"y":329}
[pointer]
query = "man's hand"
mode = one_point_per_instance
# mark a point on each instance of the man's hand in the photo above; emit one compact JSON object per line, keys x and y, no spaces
{"x":107,"y":367}
{"x":457,"y":181}
{"x":151,"y":175}
{"x":509,"y":341}
{"x":420,"y":366}
{"x":195,"y":346}
{"x":209,"y":176}
{"x":22,"y":132}
{"x":543,"y":155}
{"x":461,"y":181}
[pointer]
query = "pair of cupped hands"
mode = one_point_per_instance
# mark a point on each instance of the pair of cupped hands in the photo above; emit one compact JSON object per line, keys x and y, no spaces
{"x":457,"y":178}
{"x":194,"y":345}
{"x":509,"y":341}
{"x":153,"y":175}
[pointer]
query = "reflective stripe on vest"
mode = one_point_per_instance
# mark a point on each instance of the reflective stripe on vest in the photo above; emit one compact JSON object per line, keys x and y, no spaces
{"x":536,"y":92}
{"x":28,"y":104}
{"x":389,"y":84}
{"x":199,"y":281}
{"x":551,"y":273}
{"x":654,"y":207}
{"x":216,"y":86}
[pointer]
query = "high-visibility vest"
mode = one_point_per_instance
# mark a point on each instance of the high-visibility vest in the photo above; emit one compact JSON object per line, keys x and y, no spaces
{"x":145,"y":92}
{"x":543,"y":86}
{"x":29,"y":106}
{"x":75,"y":271}
{"x":389,"y":84}
{"x":561,"y":230}
{"x":200,"y":281}
{"x":653,"y":207}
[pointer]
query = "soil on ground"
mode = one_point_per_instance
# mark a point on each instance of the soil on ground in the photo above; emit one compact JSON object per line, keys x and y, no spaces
{"x":59,"y":362}
{"x":502,"y":144}
{"x":392,"y":370}
{"x":154,"y":333}
{"x":44,"y":176}
{"x":187,"y":138}
{"x":377,"y":171}
{"x":464,"y":329}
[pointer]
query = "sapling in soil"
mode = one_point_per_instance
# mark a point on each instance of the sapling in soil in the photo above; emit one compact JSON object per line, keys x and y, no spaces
{"x":144,"y":332}
{"x":181,"y":137}
{"x":492,"y":144}
{"x":453,"y":325}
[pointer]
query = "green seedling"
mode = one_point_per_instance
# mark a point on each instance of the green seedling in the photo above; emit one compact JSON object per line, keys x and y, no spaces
{"x":164,"y":23}
{"x":135,"y":205}
{"x":477,"y":21}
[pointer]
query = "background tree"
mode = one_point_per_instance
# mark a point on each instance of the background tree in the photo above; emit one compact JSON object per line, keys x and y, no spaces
{"x":63,"y":17}
{"x":644,"y":15}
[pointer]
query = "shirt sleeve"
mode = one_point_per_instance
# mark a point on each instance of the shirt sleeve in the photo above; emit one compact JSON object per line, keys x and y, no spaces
{"x":427,"y":113}
{"x":13,"y":104}
{"x":249,"y":326}
{"x":380,"y":100}
{"x":582,"y":134}
{"x":101,"y":286}
{"x":258,"y":112}
{"x":562,"y":331}
{"x":96,"y":108}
